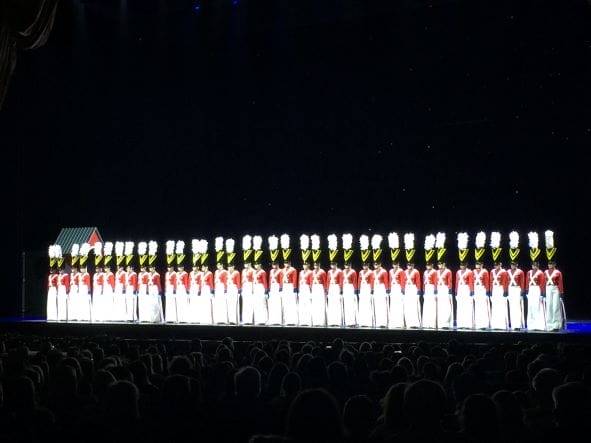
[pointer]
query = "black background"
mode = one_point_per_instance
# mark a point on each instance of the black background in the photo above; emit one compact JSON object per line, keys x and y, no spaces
{"x":151,"y":119}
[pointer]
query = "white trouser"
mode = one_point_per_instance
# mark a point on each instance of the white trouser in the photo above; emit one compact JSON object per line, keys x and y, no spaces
{"x":232,"y":304}
{"x":396,"y":314}
{"x":498,"y":309}
{"x":334,"y":306}
{"x":220,"y":310}
{"x":412,"y":307}
{"x":380,"y":305}
{"x":62,"y":303}
{"x":318,"y":305}
{"x":247,"y":304}
{"x":182,"y":305}
{"x":170,"y":311}
{"x":260,"y":304}
{"x":274,"y":305}
{"x":349,"y":304}
{"x":444,"y":308}
{"x":554,"y":308}
{"x":290,"y":305}
{"x":481,"y":308}
{"x":536,"y":318}
{"x":365,"y":317}
{"x":515,"y":307}
{"x":52,"y":304}
{"x":305,"y":306}
{"x":464,"y":308}
{"x":85,"y":304}
{"x":429,"y":307}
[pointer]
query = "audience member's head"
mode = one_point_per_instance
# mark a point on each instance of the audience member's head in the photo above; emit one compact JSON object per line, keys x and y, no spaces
{"x":314,"y":416}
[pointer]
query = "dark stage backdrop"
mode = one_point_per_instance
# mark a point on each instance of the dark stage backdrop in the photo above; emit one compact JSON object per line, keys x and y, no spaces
{"x":162,"y":119}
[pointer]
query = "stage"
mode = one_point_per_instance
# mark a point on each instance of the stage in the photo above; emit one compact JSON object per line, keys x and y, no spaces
{"x":578,"y":331}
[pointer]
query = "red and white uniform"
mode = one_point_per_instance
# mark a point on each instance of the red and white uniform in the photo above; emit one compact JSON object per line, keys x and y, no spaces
{"x":63,"y":288}
{"x":106,"y":299}
{"x":274,"y":304}
{"x":203,"y":303}
{"x":516,"y":290}
{"x":334,"y":306}
{"x":412,"y":306}
{"x":381,"y":287}
{"x":429,"y":301}
{"x":119,"y":305}
{"x":194,"y":282}
{"x":536,"y":317}
{"x":260,"y":288}
{"x":247,"y":281}
{"x":289,"y":299}
{"x":220,"y":307}
{"x":481,"y":300}
{"x":194,"y":299}
{"x":207,"y":284}
{"x":318,"y":297}
{"x":73,"y":298}
{"x":555,"y":315}
{"x":349,"y":297}
{"x":233,"y":285}
{"x":131,"y":289}
{"x":465,"y":304}
{"x":397,"y":285}
{"x":84,"y":291}
{"x":182,"y":296}
{"x":499,"y":284}
{"x":304,"y":298}
{"x":366,"y":286}
{"x":52,"y":297}
{"x":170,"y":283}
{"x":444,"y":299}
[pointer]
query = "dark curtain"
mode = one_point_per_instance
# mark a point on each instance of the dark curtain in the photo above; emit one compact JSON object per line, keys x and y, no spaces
{"x":24,"y":24}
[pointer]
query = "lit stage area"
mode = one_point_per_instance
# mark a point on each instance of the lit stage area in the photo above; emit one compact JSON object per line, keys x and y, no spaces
{"x":577,"y":331}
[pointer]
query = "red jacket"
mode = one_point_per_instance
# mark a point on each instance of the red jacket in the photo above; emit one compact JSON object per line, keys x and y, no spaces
{"x":381,"y":277}
{"x":334,"y":277}
{"x":429,"y":277}
{"x":366,"y":277}
{"x":109,"y":279}
{"x":319,"y":277}
{"x":154,"y":279}
{"x":207,"y":280}
{"x":170,"y":279}
{"x":413,"y":277}
{"x":444,"y":278}
{"x":64,"y":280}
{"x":260,"y":277}
{"x":516,"y":278}
{"x":465,"y":277}
{"x":499,"y":277}
{"x":144,"y":277}
{"x":290,"y":275}
{"x":350,"y":278}
{"x":247,"y":275}
{"x":554,"y":278}
{"x":221,"y":277}
{"x":182,"y":279}
{"x":234,"y":278}
{"x":131,"y":280}
{"x":276,"y":277}
{"x":536,"y":278}
{"x":397,"y":276}
{"x":85,"y":280}
{"x":481,"y":278}
{"x":305,"y":278}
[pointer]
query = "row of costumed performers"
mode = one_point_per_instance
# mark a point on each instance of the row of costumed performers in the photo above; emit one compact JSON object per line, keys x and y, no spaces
{"x":376,"y":297}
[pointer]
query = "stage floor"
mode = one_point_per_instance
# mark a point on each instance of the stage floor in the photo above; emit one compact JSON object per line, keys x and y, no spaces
{"x":577,"y":332}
